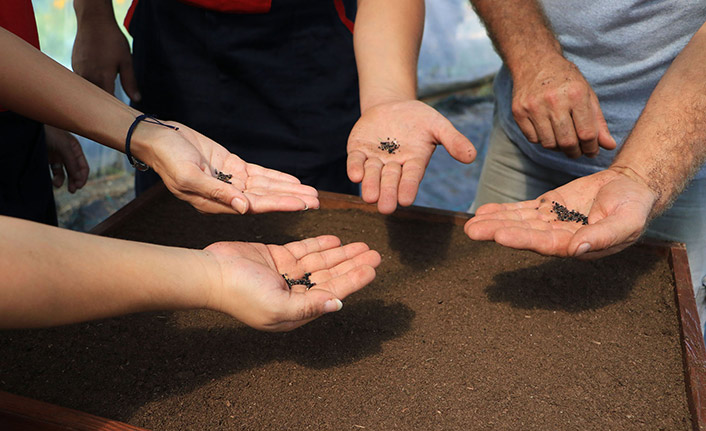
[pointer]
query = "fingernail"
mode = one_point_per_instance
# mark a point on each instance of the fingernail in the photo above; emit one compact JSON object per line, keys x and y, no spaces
{"x":241,"y":206}
{"x":583,"y":248}
{"x":332,"y":305}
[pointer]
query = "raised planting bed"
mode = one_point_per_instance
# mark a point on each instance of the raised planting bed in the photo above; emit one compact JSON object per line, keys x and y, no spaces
{"x":452,"y":335}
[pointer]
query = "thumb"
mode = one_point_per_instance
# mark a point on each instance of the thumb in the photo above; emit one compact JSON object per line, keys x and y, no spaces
{"x":128,"y":81}
{"x":308,"y":306}
{"x":458,"y":146}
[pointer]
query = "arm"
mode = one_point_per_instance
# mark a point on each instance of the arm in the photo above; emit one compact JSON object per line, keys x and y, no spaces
{"x":53,"y":276}
{"x":101,"y":51}
{"x":37,"y":87}
{"x":387,"y":38}
{"x":663,"y":152}
{"x":552,"y":102}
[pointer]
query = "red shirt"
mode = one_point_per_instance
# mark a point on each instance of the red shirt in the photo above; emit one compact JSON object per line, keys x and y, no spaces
{"x":17,"y":16}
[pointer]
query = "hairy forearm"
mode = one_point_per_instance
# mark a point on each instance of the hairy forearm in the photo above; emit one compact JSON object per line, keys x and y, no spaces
{"x":387,"y":38}
{"x":668,"y":143}
{"x":53,"y":276}
{"x":520,"y":32}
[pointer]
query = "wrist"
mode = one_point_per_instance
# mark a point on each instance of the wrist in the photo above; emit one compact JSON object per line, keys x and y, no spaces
{"x":143,"y":138}
{"x":376,"y":97}
{"x":94,"y":12}
{"x":525,"y":66}
{"x":636,"y":176}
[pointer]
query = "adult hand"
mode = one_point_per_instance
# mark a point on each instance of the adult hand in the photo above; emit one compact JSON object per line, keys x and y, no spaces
{"x":389,"y":177}
{"x":556,"y":107}
{"x":618,"y":204}
{"x":250,"y":286}
{"x":65,"y":152}
{"x":101,"y":52}
{"x":188,"y":163}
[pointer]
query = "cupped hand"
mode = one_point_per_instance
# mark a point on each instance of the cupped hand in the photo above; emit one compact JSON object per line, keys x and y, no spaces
{"x":65,"y":153}
{"x":101,"y":52}
{"x":189,"y":162}
{"x":254,"y":291}
{"x":618,"y":206}
{"x":556,"y":107}
{"x":389,"y":177}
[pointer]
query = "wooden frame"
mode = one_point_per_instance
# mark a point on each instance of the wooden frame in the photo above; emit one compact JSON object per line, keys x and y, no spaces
{"x":20,"y":413}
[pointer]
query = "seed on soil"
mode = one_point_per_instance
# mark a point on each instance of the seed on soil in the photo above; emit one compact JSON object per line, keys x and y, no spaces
{"x":564,"y":214}
{"x":222,"y":176}
{"x":390,"y":145}
{"x":299,"y":281}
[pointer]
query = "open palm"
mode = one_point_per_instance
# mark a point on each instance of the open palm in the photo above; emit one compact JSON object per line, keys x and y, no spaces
{"x":254,"y":291}
{"x":391,"y":177}
{"x":618,"y":209}
{"x":187,"y":161}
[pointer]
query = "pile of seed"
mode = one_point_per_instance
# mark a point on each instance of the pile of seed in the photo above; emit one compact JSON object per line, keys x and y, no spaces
{"x":223,"y":176}
{"x":564,"y":214}
{"x":390,"y":145}
{"x":299,"y":281}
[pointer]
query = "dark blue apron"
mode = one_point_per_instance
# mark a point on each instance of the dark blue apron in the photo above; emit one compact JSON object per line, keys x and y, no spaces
{"x":278,"y":89}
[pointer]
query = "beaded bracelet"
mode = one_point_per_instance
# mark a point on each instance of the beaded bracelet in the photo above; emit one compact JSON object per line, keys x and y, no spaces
{"x":136,"y":163}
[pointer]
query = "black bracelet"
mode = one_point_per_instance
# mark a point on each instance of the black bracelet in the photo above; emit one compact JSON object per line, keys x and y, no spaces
{"x":136,"y":163}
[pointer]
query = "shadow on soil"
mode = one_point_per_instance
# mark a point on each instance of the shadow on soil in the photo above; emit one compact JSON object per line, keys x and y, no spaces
{"x":571,"y":285}
{"x":113,"y":367}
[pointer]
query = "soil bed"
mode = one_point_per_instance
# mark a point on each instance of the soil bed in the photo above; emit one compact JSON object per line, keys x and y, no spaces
{"x":452,"y":335}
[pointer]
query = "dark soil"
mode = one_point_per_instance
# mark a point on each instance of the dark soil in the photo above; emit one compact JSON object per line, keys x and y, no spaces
{"x":452,"y":335}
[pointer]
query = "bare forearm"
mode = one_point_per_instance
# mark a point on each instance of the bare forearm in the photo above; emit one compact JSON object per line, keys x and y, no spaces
{"x":520,"y":32}
{"x":53,"y":276}
{"x":37,"y":87}
{"x":88,"y":11}
{"x":668,"y":143}
{"x":387,"y":38}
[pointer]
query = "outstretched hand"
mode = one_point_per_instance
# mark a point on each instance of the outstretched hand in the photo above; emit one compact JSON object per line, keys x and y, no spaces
{"x":253,"y":290}
{"x":389,"y":177}
{"x":188,"y":163}
{"x":618,"y":206}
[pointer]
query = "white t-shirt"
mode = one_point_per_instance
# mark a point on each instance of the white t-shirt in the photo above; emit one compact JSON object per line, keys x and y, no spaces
{"x":622,"y":47}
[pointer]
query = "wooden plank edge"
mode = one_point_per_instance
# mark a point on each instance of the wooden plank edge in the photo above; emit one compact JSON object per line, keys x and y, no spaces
{"x":120,"y":216}
{"x":32,"y":414}
{"x":331,"y":200}
{"x":693,"y":350}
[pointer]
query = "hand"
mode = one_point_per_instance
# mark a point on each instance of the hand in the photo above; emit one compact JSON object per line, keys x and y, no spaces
{"x":254,"y":291}
{"x":617,"y":202}
{"x":555,"y":106}
{"x":187,"y":162}
{"x":66,"y":153}
{"x":101,"y":52}
{"x":394,"y":177}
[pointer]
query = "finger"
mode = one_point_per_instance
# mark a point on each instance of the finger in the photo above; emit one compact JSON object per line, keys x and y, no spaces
{"x":257,"y":170}
{"x":565,"y":135}
{"x":107,"y":81}
{"x":485,"y":229}
{"x":303,"y":307}
{"x":302,"y":248}
{"x":527,"y":129}
{"x":412,"y":174}
{"x":57,"y":172}
{"x":545,"y":133}
{"x":370,"y":188}
{"x":76,"y":165}
{"x":605,"y":139}
{"x":355,"y":165}
{"x":349,"y":282}
{"x":607,"y":236}
{"x":267,"y":185}
{"x":549,"y":242}
{"x":369,"y":258}
{"x":458,"y":146}
{"x":127,"y":79}
{"x":328,"y":259}
{"x":389,"y":184}
{"x":259,"y":204}
{"x":493,"y":207}
{"x":586,"y":128}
